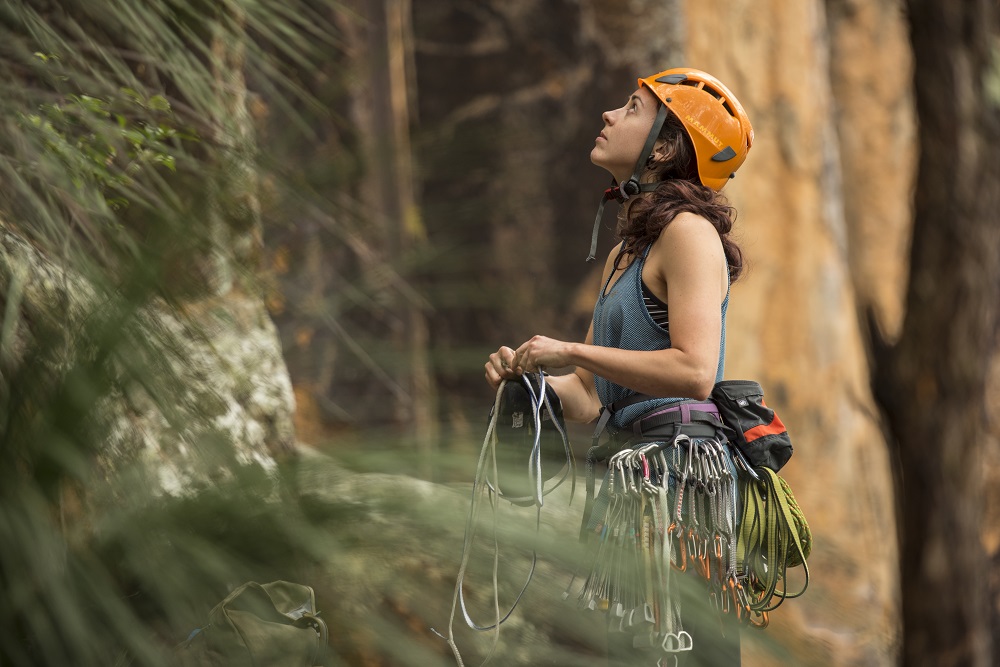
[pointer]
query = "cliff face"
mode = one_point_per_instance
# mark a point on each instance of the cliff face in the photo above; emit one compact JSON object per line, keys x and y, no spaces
{"x":156,"y":306}
{"x":508,"y":101}
{"x":824,"y":218}
{"x":824,"y":203}
{"x":212,"y":390}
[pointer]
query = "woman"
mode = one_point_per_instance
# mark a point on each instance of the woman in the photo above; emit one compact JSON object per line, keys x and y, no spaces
{"x":657,"y":341}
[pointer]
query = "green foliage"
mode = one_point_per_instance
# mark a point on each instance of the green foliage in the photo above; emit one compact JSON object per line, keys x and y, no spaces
{"x":121,"y":160}
{"x":116,"y":153}
{"x":100,"y":106}
{"x":102,"y":145}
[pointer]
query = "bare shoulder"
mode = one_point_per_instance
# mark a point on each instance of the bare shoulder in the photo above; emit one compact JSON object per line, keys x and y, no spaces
{"x":609,"y":263}
{"x":688,"y":237}
{"x":614,"y":253}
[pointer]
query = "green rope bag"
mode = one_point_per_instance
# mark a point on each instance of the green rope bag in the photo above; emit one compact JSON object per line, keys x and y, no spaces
{"x":793,"y":558}
{"x":773,"y":538}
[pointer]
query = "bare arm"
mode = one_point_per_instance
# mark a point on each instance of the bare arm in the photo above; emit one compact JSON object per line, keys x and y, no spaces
{"x":576,"y":390}
{"x":688,"y":257}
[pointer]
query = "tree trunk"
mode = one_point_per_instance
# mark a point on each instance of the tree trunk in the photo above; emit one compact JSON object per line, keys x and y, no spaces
{"x":932,"y":382}
{"x":234,"y":219}
{"x":407,"y":232}
{"x":389,"y":198}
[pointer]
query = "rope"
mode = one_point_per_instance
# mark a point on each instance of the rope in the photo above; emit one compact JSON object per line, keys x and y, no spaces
{"x":771,"y":540}
{"x":470,"y":531}
{"x":801,"y":527}
{"x":539,"y":400}
{"x":482,"y":486}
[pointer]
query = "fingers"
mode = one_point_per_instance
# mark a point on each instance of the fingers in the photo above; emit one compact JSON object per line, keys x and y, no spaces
{"x":521,"y":354}
{"x":532,"y":355}
{"x":508,"y":360}
{"x":501,"y":366}
{"x":529,"y":353}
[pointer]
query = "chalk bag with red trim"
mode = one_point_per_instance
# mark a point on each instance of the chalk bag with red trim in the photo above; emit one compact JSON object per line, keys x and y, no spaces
{"x":752,"y":426}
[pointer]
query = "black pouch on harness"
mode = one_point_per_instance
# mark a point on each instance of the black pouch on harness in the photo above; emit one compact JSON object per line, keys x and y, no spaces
{"x":752,"y":426}
{"x":515,"y":429}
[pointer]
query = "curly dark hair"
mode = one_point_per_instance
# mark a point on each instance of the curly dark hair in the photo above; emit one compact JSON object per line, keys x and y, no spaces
{"x":643,"y":218}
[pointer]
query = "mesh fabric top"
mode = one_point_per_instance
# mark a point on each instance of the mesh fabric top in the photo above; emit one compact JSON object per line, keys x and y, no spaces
{"x":621,"y":320}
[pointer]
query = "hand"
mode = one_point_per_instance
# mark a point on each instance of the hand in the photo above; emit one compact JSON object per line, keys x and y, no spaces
{"x":541,"y":352}
{"x":501,"y":366}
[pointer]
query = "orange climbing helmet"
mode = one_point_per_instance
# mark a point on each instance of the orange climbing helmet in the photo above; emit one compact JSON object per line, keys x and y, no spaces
{"x":714,"y":119}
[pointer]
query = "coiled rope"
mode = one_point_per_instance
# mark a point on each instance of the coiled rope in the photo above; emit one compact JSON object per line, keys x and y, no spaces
{"x":483,"y":488}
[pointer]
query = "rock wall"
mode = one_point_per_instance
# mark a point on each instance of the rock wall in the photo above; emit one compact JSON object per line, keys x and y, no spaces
{"x":509,"y":100}
{"x":824,"y":202}
{"x":194,"y":390}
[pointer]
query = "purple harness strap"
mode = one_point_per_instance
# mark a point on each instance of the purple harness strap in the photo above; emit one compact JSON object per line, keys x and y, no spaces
{"x":688,"y":412}
{"x":685,"y":410}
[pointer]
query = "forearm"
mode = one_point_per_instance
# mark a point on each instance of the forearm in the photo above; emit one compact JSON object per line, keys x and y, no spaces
{"x":577,"y":395}
{"x":671,"y":372}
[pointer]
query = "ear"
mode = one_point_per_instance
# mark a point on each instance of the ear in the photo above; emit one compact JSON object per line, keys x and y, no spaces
{"x":661,"y":154}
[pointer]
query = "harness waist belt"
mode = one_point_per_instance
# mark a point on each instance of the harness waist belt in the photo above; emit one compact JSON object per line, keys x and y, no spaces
{"x":683,"y":413}
{"x":696,"y":419}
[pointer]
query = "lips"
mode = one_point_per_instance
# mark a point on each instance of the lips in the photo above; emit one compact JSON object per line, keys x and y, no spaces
{"x":601,"y":136}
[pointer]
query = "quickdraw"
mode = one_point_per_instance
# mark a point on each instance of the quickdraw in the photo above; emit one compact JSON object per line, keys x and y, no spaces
{"x":671,"y":507}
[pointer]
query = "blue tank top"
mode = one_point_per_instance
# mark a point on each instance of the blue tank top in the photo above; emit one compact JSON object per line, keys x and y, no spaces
{"x":621,"y":320}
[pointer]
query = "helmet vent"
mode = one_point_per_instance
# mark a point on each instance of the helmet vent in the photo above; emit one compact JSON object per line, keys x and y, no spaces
{"x":674,"y":79}
{"x":711,"y":91}
{"x":697,"y":84}
{"x":724,"y":155}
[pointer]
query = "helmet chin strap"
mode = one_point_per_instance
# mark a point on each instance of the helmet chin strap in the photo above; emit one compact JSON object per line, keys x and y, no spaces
{"x":632,"y":186}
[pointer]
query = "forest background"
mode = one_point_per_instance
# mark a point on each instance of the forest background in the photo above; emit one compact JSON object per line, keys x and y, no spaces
{"x":254,"y":255}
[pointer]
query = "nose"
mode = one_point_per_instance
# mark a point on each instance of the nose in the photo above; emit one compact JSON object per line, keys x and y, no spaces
{"x":607,"y":117}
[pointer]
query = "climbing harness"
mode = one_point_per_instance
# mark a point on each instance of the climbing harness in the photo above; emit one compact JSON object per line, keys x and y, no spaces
{"x":668,"y":506}
{"x":677,"y":498}
{"x":671,"y":502}
{"x":523,"y":408}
